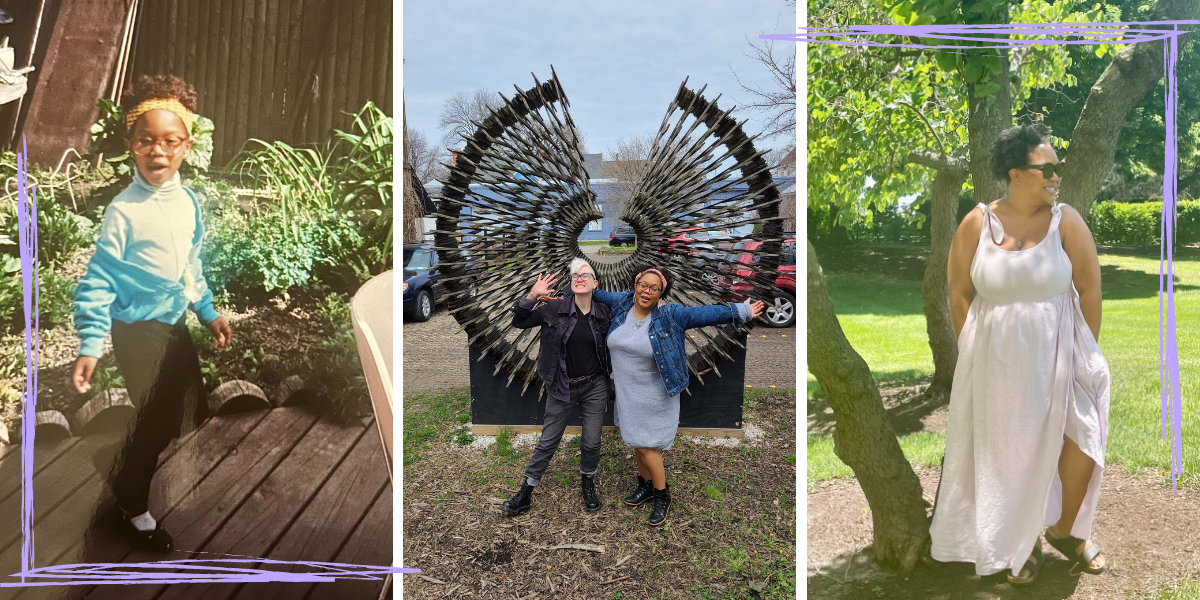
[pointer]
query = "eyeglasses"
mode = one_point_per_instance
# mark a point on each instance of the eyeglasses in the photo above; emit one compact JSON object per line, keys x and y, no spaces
{"x":170,"y":146}
{"x":1048,"y":169}
{"x":653,"y":289}
{"x":582,"y":276}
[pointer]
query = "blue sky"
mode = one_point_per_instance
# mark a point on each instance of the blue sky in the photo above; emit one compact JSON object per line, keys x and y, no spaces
{"x":620,"y":62}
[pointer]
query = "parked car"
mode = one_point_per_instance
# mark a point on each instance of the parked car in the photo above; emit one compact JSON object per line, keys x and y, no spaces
{"x":622,"y":235}
{"x":783,"y":312}
{"x":422,"y":285}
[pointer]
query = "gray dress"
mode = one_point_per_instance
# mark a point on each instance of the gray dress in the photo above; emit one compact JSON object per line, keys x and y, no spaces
{"x":647,"y":416}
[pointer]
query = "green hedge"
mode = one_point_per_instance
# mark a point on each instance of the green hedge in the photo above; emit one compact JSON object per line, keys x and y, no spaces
{"x":1140,"y":223}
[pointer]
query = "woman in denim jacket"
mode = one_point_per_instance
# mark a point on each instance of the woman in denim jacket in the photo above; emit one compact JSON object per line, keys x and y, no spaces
{"x":649,"y":364}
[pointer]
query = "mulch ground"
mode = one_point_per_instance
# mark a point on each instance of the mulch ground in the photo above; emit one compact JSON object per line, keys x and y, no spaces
{"x":730,"y":531}
{"x":1147,"y":532}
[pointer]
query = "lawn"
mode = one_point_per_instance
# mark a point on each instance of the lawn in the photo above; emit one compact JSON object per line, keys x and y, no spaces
{"x":880,"y":312}
{"x":731,"y":530}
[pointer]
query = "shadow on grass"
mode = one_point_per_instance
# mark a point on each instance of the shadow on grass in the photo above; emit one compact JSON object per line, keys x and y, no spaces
{"x":856,"y":575}
{"x":904,"y":403}
{"x":1123,"y":284}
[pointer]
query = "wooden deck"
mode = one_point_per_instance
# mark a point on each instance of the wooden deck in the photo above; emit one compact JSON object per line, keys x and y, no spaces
{"x":281,"y":484}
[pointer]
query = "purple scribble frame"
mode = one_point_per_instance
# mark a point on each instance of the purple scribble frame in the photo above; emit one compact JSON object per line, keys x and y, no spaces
{"x":222,"y":570}
{"x":1089,"y":34}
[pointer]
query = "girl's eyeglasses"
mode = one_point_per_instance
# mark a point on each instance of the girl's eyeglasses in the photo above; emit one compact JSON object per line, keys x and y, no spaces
{"x":170,"y":146}
{"x":1048,"y":169}
{"x":653,"y":289}
{"x":582,"y":276}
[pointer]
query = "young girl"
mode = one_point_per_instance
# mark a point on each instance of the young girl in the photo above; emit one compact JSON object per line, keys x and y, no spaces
{"x":140,"y":282}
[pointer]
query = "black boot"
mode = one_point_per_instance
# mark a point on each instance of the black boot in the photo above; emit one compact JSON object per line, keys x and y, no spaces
{"x":644,"y":491}
{"x":587,"y":486}
{"x":662,"y":504}
{"x":156,"y":540}
{"x":519,"y":503}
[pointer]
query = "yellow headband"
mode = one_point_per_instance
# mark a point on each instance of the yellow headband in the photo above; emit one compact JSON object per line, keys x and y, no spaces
{"x":168,"y":104}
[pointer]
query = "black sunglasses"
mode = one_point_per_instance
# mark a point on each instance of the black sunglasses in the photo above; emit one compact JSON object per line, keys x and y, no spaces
{"x":1048,"y":169}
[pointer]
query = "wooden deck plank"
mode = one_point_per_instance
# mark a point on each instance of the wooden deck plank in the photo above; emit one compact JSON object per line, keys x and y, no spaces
{"x":202,"y":512}
{"x":54,"y":485}
{"x":6,"y":448}
{"x":83,"y":506}
{"x":266,"y":514}
{"x":323,"y":528}
{"x":10,"y":467}
{"x":371,"y":544}
{"x":190,"y":462}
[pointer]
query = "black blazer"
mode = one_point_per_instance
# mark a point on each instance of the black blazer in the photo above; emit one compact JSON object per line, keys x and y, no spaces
{"x":554,"y":317}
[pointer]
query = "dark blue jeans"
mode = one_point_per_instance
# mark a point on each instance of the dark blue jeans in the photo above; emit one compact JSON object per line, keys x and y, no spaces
{"x":592,"y":400}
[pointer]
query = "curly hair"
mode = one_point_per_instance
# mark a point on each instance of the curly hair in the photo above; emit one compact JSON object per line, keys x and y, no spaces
{"x":1012,"y":148}
{"x":667,"y":280}
{"x":149,"y":87}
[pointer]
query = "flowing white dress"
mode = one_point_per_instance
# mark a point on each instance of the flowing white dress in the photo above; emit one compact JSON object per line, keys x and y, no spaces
{"x":1029,"y":372}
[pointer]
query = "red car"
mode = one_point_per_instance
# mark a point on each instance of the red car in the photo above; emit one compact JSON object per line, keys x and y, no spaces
{"x":783,"y":312}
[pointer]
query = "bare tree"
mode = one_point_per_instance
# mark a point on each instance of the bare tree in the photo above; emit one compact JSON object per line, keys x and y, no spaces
{"x":625,"y":164}
{"x":424,"y":158}
{"x":777,"y":104}
{"x":461,"y":110}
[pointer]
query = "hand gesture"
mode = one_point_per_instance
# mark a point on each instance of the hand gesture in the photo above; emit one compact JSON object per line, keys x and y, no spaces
{"x":542,"y":286}
{"x":81,"y":376}
{"x":756,"y":309}
{"x":222,"y":333}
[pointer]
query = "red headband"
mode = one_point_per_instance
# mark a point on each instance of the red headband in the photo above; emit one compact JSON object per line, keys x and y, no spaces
{"x":656,"y":272}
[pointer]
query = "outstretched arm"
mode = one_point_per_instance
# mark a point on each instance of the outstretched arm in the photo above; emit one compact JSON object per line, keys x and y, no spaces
{"x":610,"y":299}
{"x":525,"y":315}
{"x":690,"y":317}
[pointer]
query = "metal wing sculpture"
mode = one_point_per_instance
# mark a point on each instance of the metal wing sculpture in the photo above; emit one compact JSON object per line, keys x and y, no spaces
{"x":518,"y":196}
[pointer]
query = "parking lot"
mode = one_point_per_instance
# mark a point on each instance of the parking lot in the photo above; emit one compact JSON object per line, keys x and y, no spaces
{"x":435,"y":356}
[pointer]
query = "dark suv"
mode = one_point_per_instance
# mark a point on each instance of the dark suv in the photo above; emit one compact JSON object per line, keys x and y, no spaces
{"x":622,"y":236}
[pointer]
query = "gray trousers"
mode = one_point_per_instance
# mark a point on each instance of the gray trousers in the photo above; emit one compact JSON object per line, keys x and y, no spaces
{"x":592,"y":400}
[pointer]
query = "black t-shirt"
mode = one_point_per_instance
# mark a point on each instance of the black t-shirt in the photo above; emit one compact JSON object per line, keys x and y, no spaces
{"x":581,"y":348}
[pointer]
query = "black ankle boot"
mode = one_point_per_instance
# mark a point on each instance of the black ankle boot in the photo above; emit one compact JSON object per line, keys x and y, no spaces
{"x":644,"y":492}
{"x":662,"y":504}
{"x":519,"y":503}
{"x":587,"y":487}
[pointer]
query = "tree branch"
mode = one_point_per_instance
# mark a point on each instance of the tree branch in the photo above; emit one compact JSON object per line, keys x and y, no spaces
{"x":940,"y":162}
{"x":936,"y":137}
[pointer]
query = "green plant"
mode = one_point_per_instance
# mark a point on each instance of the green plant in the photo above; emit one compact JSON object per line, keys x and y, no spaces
{"x":464,"y":418}
{"x":504,"y":445}
{"x":1140,"y":223}
{"x":463,"y":436}
{"x":712,"y":492}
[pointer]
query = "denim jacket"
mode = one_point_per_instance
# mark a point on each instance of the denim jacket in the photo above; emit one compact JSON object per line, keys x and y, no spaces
{"x":667,"y":327}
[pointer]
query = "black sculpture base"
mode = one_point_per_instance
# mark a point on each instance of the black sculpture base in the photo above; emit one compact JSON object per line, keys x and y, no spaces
{"x":713,"y":407}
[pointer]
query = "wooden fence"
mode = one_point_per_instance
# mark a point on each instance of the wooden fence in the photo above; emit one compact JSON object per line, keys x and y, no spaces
{"x":289,"y":70}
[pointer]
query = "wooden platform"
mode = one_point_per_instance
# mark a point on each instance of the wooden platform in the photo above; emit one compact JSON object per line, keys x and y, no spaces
{"x":281,"y":484}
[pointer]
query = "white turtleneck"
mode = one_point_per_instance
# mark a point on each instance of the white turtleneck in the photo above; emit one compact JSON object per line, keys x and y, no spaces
{"x":153,"y":226}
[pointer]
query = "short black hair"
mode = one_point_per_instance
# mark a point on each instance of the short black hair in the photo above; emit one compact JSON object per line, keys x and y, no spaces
{"x":667,"y":280}
{"x":1012,"y":148}
{"x":148,"y":87}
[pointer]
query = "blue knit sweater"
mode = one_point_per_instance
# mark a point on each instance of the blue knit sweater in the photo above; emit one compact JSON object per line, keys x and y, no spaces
{"x":149,"y":244}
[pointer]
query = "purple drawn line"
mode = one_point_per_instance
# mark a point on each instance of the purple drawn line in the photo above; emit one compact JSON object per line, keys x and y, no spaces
{"x":104,"y":573}
{"x":110,"y":573}
{"x":27,"y":241}
{"x":1169,"y":380}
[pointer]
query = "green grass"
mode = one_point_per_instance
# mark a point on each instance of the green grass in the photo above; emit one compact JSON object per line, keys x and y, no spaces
{"x":712,"y":492}
{"x":594,"y":243}
{"x":921,"y":449}
{"x":883,"y":320}
{"x":426,"y":413}
{"x":1187,"y":588}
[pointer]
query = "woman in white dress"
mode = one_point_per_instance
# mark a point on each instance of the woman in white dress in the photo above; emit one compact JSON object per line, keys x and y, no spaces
{"x":1029,"y":404}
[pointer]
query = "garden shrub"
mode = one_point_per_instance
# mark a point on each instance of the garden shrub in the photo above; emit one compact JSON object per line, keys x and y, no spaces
{"x":55,"y":294}
{"x":1140,"y":223}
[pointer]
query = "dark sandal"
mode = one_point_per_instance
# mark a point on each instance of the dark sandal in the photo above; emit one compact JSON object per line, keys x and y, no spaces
{"x":1033,"y":563}
{"x":1067,"y":545}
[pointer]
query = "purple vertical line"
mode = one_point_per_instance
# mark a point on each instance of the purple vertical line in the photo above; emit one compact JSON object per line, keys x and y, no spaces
{"x":27,"y":239}
{"x":1172,"y":381}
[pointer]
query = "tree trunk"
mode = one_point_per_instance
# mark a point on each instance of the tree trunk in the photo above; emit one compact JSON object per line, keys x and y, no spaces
{"x":935,"y":288}
{"x":863,"y":439}
{"x":410,"y":211}
{"x":1134,"y":71}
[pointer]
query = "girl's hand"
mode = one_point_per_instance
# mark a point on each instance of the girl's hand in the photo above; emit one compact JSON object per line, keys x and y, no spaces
{"x":222,"y":333}
{"x":756,"y":309}
{"x":542,"y":286}
{"x":81,"y":376}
